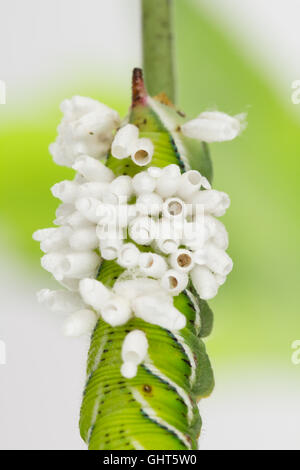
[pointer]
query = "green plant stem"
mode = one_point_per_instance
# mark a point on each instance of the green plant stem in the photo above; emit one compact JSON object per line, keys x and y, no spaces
{"x":158,"y":53}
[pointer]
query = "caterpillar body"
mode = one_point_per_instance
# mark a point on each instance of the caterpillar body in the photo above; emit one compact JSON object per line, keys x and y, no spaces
{"x":157,"y":409}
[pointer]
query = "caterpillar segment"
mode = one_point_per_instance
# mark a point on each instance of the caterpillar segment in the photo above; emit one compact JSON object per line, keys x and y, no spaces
{"x":157,"y":409}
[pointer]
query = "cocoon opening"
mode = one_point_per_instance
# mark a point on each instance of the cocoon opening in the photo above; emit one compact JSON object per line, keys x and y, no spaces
{"x":109,"y":248}
{"x":174,"y":207}
{"x":174,"y":281}
{"x":190,"y":182}
{"x":152,"y":265}
{"x":135,"y":347}
{"x":128,"y":256}
{"x":142,"y":230}
{"x":142,"y":152}
{"x":182,"y":260}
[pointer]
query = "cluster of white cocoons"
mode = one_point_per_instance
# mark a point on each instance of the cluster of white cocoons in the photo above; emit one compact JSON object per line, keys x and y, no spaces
{"x":214,"y":126}
{"x":174,"y":215}
{"x":161,"y":226}
{"x":86,"y":128}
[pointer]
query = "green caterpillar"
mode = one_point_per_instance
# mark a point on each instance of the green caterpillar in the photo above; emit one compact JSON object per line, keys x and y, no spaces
{"x":157,"y":409}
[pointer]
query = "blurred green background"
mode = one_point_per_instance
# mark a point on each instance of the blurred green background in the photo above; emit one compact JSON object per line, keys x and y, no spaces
{"x":257,"y":310}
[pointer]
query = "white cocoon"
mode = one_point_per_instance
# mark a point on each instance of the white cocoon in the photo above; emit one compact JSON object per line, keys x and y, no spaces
{"x":142,"y":152}
{"x":217,"y":260}
{"x":93,"y":169}
{"x":107,"y":214}
{"x":214,"y":202}
{"x":212,"y":127}
{"x":57,"y":240}
{"x":173,"y":171}
{"x":84,"y":239}
{"x":170,"y":228}
{"x":51,"y":262}
{"x":66,"y":191}
{"x":220,"y":279}
{"x":70,"y":284}
{"x":113,"y":217}
{"x":78,"y":106}
{"x":204,"y":282}
{"x":109,"y":249}
{"x":205,"y":183}
{"x":128,"y":256}
{"x":121,"y":187}
{"x":88,"y":207}
{"x":152,"y":265}
{"x":58,"y":151}
{"x":216,"y":231}
{"x":80,"y":323}
{"x":174,"y":281}
{"x":89,"y":124}
{"x":182,"y":260}
{"x":158,"y":309}
{"x":131,"y":289}
{"x":116,"y":311}
{"x":79,"y":264}
{"x":42,"y":234}
{"x":124,"y":140}
{"x":194,"y":234}
{"x":94,"y":293}
{"x":143,"y":183}
{"x":174,"y":208}
{"x":167,"y":245}
{"x":142,"y":230}
{"x":78,"y":220}
{"x":167,"y":184}
{"x":80,"y":179}
{"x":93,"y":189}
{"x":168,"y":235}
{"x":190,"y":182}
{"x":149,"y":204}
{"x":154,"y":171}
{"x":128,"y":370}
{"x":134,"y":347}
{"x":62,"y":213}
{"x":61,"y":301}
{"x":98,"y":123}
{"x":199,"y":256}
{"x":111,"y":198}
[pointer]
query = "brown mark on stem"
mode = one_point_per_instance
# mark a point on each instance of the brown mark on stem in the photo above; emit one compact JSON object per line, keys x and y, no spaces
{"x":139,"y":93}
